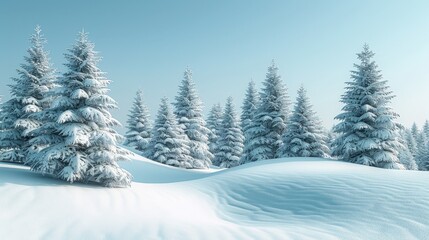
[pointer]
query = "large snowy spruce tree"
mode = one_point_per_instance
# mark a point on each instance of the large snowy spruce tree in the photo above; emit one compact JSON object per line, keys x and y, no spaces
{"x":139,"y":125}
{"x":169,"y":144}
{"x":248,"y":109}
{"x":264,"y":134}
{"x":304,"y":135}
{"x":367,"y":127}
{"x":214,"y":124}
{"x":190,"y":117}
{"x":29,"y":96}
{"x":81,"y":143}
{"x":230,"y":142}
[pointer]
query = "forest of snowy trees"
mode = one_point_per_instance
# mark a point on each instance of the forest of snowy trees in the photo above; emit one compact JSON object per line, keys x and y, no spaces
{"x":60,"y":125}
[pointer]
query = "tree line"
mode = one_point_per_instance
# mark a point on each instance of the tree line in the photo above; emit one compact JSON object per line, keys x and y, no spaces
{"x":61,"y":125}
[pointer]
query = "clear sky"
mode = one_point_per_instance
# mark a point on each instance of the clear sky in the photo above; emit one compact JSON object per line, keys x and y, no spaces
{"x":226,"y":43}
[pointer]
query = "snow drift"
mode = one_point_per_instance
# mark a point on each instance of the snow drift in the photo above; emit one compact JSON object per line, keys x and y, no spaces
{"x":296,"y":198}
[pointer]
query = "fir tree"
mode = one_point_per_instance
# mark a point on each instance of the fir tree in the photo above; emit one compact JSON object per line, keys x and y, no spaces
{"x":230,"y":142}
{"x":410,"y":141}
{"x":214,"y":124}
{"x":426,"y":130}
{"x":81,"y":143}
{"x":415,"y":130}
{"x":189,"y":115}
{"x":169,"y":144}
{"x":421,"y":140}
{"x":18,"y":116}
{"x":368,"y":133}
{"x":250,"y":104}
{"x":331,"y":135}
{"x":422,"y":153}
{"x":139,"y":126}
{"x":264,"y":134}
{"x":407,"y":159}
{"x":422,"y":158}
{"x":304,"y":136}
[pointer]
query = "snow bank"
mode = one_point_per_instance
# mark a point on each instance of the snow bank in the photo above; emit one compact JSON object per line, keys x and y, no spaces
{"x":296,"y":198}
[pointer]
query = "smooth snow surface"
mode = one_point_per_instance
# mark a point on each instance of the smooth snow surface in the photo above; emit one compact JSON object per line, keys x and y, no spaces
{"x":296,"y":198}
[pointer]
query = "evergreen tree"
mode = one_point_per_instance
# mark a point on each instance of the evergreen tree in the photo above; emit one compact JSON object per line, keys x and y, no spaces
{"x":331,"y":135}
{"x":304,"y":136}
{"x":139,"y":126}
{"x":230,"y":142}
{"x":190,"y":117}
{"x":169,"y":144}
{"x":415,"y":130}
{"x":426,"y":129}
{"x":18,"y":118}
{"x":368,"y":133}
{"x":407,"y":152}
{"x":214,"y":124}
{"x":264,"y":134}
{"x":250,"y":104}
{"x":407,"y":159}
{"x":422,"y":158}
{"x":421,"y":140}
{"x":81,"y":143}
{"x":409,"y":140}
{"x":422,"y":153}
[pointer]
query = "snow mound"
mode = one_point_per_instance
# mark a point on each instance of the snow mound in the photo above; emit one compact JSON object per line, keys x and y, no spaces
{"x":295,"y":198}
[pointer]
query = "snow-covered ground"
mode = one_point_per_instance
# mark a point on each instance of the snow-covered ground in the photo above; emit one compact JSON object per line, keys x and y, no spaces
{"x":296,"y":198}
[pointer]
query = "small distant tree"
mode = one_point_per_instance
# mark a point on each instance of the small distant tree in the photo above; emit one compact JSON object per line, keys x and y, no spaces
{"x":415,"y":130}
{"x":426,"y":129}
{"x":410,"y":141}
{"x":169,"y":144}
{"x":422,"y":158}
{"x":405,"y":155}
{"x":264,"y":134}
{"x":81,"y":143}
{"x":18,"y":115}
{"x":304,"y":136}
{"x":214,"y":124}
{"x":230,"y":142}
{"x":422,"y":153}
{"x":190,"y":117}
{"x":331,"y":135}
{"x":139,"y":126}
{"x":367,"y":128}
{"x":250,"y":104}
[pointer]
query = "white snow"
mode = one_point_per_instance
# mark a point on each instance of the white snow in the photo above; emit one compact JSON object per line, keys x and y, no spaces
{"x":295,"y":198}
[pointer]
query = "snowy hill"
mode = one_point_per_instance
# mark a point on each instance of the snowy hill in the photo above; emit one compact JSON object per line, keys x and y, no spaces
{"x":297,"y":198}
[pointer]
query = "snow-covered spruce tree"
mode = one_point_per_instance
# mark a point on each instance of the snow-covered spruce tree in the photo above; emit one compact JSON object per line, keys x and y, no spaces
{"x":214,"y":124}
{"x":422,"y":158}
{"x":426,"y":130}
{"x":409,"y":141}
{"x":415,"y":130}
{"x":139,"y":126}
{"x":82,"y":145}
{"x":230,"y":142}
{"x":368,"y":131}
{"x":406,"y":158}
{"x":248,"y":109}
{"x":331,"y":135}
{"x":169,"y":144}
{"x":264,"y":134}
{"x":408,"y":152}
{"x":190,"y":117}
{"x":422,"y":153}
{"x":18,"y":119}
{"x":304,"y":135}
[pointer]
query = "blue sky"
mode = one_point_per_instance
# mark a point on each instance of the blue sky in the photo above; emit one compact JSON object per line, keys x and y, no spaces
{"x":148,"y":45}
